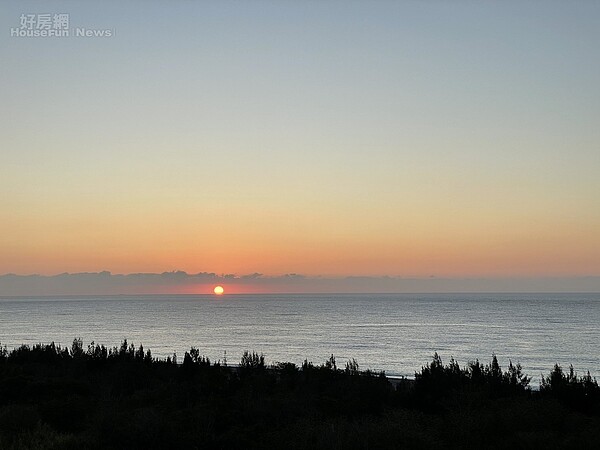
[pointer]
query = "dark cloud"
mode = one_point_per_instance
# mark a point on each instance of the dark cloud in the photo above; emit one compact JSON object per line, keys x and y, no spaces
{"x":105,"y":283}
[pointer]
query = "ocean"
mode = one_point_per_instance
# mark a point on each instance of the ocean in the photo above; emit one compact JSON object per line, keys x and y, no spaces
{"x":397,"y":333}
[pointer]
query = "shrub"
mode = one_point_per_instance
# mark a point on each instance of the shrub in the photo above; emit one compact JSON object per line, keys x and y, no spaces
{"x":252,"y":360}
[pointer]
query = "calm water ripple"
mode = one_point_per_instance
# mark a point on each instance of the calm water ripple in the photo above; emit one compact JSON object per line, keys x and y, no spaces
{"x":396,"y":333}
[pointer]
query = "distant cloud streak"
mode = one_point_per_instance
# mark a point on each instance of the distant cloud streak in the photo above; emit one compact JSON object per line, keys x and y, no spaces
{"x":178,"y":282}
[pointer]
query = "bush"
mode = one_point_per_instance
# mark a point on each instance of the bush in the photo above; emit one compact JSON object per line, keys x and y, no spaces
{"x":581,"y":393}
{"x":252,"y":360}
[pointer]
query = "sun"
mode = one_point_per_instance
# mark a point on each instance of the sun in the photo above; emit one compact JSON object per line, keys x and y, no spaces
{"x":219,"y":290}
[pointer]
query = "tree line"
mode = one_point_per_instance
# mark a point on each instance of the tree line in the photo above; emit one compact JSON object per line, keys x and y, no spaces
{"x":91,"y":396}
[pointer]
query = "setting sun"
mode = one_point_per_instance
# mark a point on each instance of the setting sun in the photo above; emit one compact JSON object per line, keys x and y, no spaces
{"x":219,"y":290}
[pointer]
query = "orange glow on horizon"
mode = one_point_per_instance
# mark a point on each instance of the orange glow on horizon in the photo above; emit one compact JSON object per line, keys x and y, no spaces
{"x":469,"y":242}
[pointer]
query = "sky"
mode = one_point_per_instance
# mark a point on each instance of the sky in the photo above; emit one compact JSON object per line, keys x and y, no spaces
{"x":330,"y":139}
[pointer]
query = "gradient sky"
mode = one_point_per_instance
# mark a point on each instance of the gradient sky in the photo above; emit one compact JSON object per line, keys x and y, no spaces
{"x":455,"y":139}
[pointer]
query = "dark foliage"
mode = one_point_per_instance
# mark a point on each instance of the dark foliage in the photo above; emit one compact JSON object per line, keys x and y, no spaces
{"x":436,"y":381}
{"x":92,"y":397}
{"x":582,"y":393}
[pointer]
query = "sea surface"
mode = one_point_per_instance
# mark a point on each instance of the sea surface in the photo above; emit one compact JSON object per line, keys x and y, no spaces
{"x":397,"y":333}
